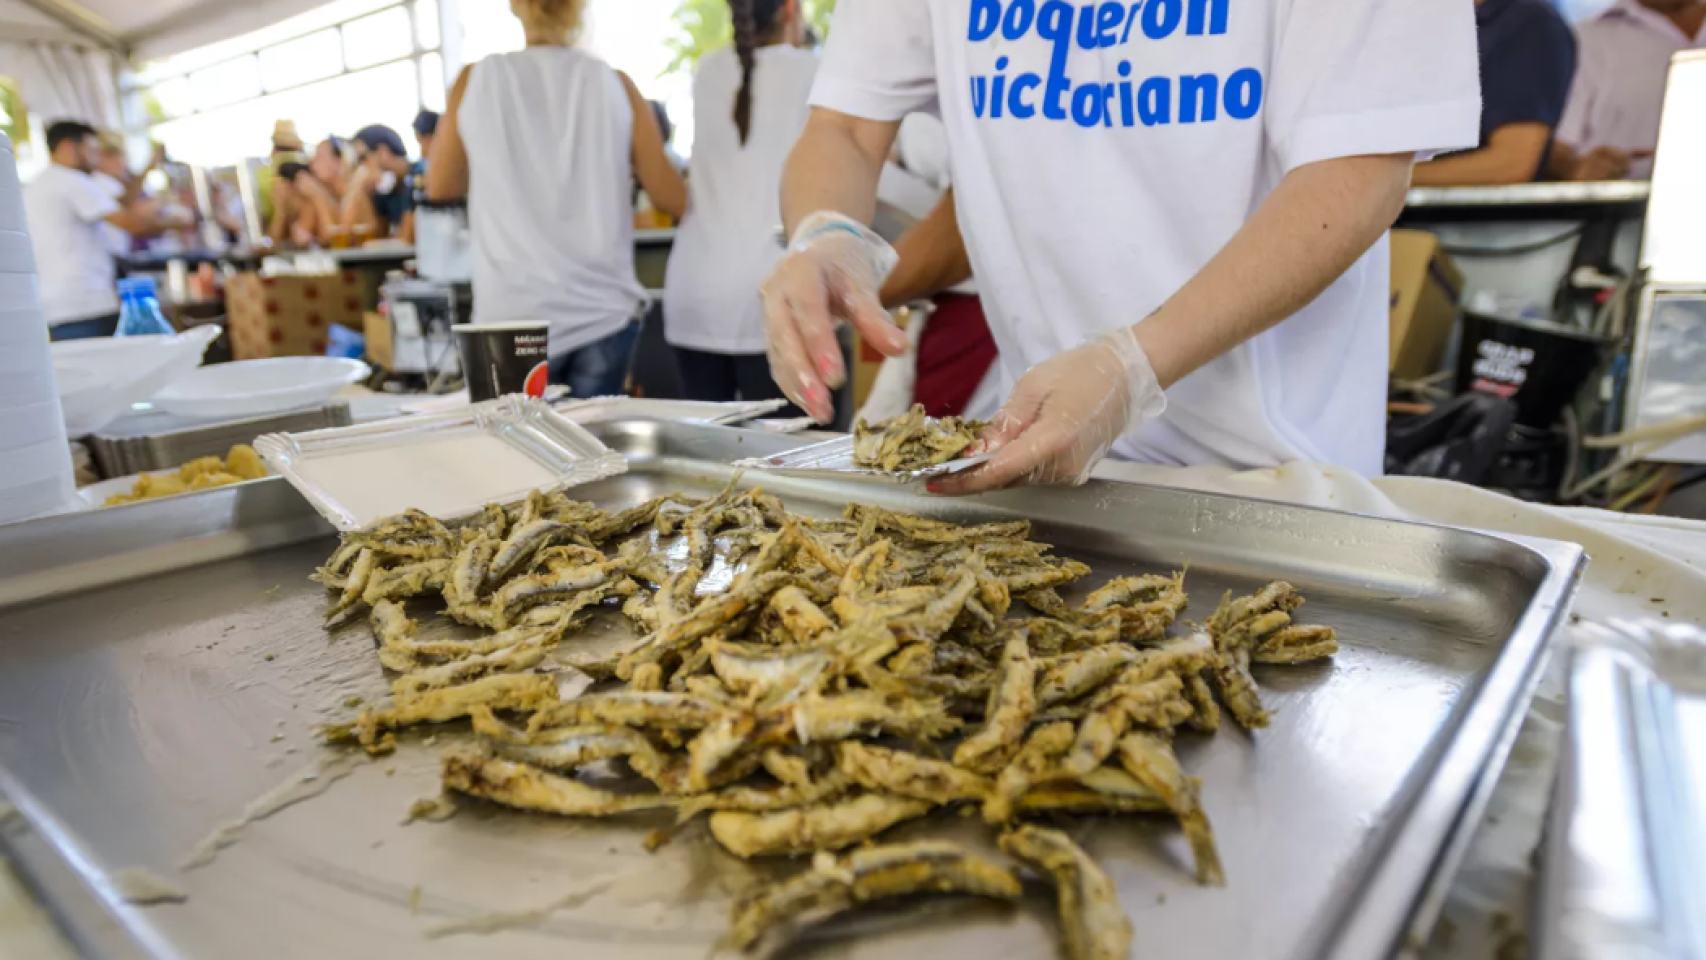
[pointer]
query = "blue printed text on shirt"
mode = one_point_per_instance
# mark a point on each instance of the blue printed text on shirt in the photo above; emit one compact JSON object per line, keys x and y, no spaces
{"x":1128,"y":101}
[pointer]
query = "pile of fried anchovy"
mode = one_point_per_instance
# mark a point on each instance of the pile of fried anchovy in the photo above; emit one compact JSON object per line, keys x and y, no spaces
{"x":913,"y":441}
{"x":811,"y":683}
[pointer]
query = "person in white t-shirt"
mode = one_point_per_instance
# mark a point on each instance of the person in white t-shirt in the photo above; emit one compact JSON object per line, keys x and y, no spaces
{"x":65,"y":208}
{"x":545,"y":144}
{"x":1146,"y":191}
{"x":749,"y":106}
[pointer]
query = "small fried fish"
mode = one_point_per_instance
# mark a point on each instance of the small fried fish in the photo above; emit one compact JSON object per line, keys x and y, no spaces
{"x":908,"y":774}
{"x":523,"y":787}
{"x":1094,"y":925}
{"x":1012,"y":702}
{"x":830,"y":826}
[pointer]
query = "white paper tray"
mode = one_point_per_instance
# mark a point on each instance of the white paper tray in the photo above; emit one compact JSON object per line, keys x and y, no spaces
{"x":833,"y":460}
{"x":449,"y":465}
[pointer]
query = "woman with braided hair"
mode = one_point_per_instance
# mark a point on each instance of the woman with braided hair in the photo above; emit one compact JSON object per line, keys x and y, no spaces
{"x":749,"y":108}
{"x":545,"y":144}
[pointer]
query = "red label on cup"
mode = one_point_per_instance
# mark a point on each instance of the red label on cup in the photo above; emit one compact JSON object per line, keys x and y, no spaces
{"x":537,"y":379}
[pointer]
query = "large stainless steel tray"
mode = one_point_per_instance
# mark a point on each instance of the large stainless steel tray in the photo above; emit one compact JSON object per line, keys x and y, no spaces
{"x":144,"y":698}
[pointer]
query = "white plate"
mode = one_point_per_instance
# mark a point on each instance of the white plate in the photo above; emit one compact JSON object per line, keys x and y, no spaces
{"x":99,"y":378}
{"x":256,"y":388}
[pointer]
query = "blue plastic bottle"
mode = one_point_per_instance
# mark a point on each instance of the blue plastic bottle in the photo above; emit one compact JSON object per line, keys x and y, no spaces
{"x":139,"y":309}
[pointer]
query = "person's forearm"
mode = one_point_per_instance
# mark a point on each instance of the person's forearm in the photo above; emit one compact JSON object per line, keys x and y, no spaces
{"x":1561,"y":161}
{"x":359,"y":211}
{"x":1474,"y":168}
{"x":1513,"y":154}
{"x":834,"y":166}
{"x":1316,"y":223}
{"x":932,"y":257}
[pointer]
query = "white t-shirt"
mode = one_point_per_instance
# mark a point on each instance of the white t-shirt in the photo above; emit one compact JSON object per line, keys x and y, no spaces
{"x":1622,"y":68}
{"x":727,"y":242}
{"x":115,"y":240}
{"x":1102,"y":153}
{"x":66,"y":209}
{"x":549,"y":134}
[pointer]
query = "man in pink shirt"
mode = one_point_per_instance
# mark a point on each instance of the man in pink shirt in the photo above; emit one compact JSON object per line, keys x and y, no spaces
{"x":1611,"y":123}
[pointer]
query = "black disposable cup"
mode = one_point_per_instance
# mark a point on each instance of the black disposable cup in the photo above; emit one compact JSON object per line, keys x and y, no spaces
{"x":499,"y":359}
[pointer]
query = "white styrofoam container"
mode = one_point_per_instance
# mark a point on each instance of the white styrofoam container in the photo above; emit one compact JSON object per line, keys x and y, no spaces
{"x":37,"y":478}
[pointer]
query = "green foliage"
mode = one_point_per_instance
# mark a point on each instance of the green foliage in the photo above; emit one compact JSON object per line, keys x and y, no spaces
{"x":14,"y":120}
{"x":703,"y":26}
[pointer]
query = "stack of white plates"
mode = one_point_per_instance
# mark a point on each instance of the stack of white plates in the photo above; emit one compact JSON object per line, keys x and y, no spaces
{"x":36,"y":477}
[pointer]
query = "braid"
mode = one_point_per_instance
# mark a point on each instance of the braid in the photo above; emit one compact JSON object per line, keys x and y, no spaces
{"x":746,"y":47}
{"x":755,"y":24}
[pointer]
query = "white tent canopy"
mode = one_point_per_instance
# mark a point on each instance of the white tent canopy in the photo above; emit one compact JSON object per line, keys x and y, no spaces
{"x":145,"y":29}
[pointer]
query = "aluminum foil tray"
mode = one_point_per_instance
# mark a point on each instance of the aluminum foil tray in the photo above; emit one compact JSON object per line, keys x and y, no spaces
{"x":599,"y":409}
{"x":1624,"y":875}
{"x":144,"y":443}
{"x":449,"y":465}
{"x":833,"y":460}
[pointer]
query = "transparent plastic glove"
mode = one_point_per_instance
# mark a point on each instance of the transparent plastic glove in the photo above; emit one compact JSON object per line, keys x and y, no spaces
{"x":831,"y":274}
{"x":1064,"y":416}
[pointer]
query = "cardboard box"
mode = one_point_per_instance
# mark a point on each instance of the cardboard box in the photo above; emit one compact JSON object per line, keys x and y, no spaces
{"x":289,"y":316}
{"x":376,"y":327}
{"x":1426,"y":290}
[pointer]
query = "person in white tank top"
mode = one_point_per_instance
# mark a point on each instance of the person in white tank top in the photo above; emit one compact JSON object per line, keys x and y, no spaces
{"x":750,"y":104}
{"x":545,"y":144}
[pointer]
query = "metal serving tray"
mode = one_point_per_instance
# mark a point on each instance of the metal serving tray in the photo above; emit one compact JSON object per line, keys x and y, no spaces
{"x":161,"y":441}
{"x":1624,"y":876}
{"x":147,"y":694}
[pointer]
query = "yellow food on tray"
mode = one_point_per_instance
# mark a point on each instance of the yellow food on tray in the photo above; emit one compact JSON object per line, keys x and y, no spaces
{"x":240,"y":463}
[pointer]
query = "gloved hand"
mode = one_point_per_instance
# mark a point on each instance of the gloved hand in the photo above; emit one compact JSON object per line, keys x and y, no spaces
{"x":831,"y":273}
{"x":1064,"y":416}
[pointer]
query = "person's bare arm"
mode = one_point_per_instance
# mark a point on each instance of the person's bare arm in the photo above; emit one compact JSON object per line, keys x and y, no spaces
{"x":835,"y":166}
{"x":283,"y":204}
{"x":1319,"y":220}
{"x":1067,"y":411}
{"x":1513,"y":154}
{"x":657,"y":176}
{"x":932,"y":257}
{"x":447,"y":167}
{"x":357,"y":209}
{"x":142,"y":218}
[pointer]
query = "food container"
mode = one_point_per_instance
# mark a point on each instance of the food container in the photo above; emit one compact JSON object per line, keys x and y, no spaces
{"x":449,"y":465}
{"x":143,"y":443}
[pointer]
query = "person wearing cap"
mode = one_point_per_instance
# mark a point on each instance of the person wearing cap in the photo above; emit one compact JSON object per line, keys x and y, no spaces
{"x":65,"y":208}
{"x":1527,"y":56}
{"x":378,"y":195}
{"x":286,"y":148}
{"x":1176,"y":211}
{"x":1611,"y":123}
